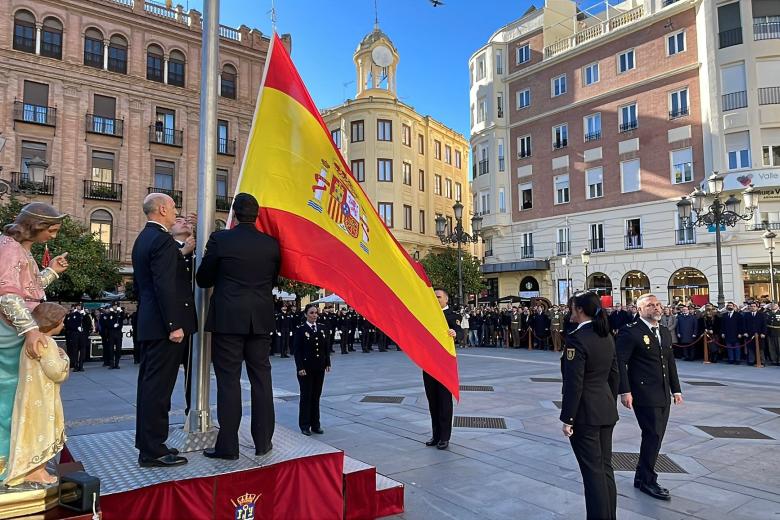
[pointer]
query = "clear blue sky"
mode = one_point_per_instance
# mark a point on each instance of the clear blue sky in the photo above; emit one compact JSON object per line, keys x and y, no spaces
{"x":434,"y":44}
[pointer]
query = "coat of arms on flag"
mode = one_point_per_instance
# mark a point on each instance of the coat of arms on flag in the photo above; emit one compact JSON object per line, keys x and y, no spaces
{"x":342,"y":204}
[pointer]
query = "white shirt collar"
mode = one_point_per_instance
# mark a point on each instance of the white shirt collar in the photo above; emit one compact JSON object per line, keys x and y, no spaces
{"x":649,"y":326}
{"x":582,"y":324}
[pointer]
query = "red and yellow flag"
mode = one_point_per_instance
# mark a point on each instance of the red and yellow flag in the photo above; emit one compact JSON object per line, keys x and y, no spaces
{"x":329,"y":231}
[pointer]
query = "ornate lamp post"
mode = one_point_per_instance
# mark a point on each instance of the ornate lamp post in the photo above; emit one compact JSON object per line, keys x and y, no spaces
{"x":585,"y":257}
{"x":769,"y":244}
{"x":710,"y":210}
{"x":458,"y":236}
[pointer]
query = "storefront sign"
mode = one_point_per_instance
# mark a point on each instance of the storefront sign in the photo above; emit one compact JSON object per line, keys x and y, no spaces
{"x":528,"y":294}
{"x":738,"y":181}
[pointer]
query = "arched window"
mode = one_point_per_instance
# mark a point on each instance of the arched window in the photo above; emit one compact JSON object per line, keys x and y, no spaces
{"x":51,"y":38}
{"x":117,"y":54}
{"x":154,"y":63}
{"x":689,"y":285}
{"x":529,"y":287}
{"x":176,"y":69}
{"x":24,"y":31}
{"x":600,"y":284}
{"x":93,"y":48}
{"x":634,"y":285}
{"x":228,"y":84}
{"x":101,"y":225}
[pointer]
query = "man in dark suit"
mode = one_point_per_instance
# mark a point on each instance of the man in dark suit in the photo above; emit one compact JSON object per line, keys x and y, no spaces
{"x":754,"y":326}
{"x":166,"y":316}
{"x":540,"y":324}
{"x":105,"y":337}
{"x":687,"y":329}
{"x":184,"y":235}
{"x":731,"y":328}
{"x":648,"y":380}
{"x":242,"y":265}
{"x":439,"y":398}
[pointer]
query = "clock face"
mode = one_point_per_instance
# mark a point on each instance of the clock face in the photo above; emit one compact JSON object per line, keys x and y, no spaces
{"x":382,"y":56}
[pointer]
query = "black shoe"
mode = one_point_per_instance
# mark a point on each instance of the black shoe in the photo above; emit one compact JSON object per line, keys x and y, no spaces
{"x":174,"y":451}
{"x":258,"y":453}
{"x":211,"y":453}
{"x":166,"y":461}
{"x":318,"y":431}
{"x":432,"y":442}
{"x":306,"y":432}
{"x":443,"y":445}
{"x":655,"y":491}
{"x":106,"y":364}
{"x":285,"y":355}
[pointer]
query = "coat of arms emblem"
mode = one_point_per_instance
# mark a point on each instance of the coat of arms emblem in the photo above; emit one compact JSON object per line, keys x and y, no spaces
{"x":245,"y":506}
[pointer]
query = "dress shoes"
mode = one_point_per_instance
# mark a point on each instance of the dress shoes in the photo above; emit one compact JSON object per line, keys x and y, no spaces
{"x":258,"y":453}
{"x":318,"y":431}
{"x":211,"y":453}
{"x":655,"y":491}
{"x":306,"y":432}
{"x":285,"y":355}
{"x":663,"y":489}
{"x":173,"y":451}
{"x":432,"y":442}
{"x":443,"y":445}
{"x":166,"y":461}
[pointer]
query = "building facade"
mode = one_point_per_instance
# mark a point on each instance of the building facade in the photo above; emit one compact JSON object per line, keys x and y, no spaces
{"x":613,"y":115}
{"x":99,"y":103}
{"x":411,"y":166}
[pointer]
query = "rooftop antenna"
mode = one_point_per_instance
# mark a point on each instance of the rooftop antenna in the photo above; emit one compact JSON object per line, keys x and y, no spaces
{"x":376,"y":16}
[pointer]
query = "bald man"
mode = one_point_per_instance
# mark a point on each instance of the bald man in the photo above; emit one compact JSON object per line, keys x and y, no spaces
{"x":166,"y":317}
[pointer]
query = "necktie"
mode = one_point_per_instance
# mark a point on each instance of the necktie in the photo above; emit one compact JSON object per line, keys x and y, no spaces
{"x":314,"y":328}
{"x":655,"y":333}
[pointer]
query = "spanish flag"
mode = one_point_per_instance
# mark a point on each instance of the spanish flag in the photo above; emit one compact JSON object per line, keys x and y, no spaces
{"x":329,"y":232}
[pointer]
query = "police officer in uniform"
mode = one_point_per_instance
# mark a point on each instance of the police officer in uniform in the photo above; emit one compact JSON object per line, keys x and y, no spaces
{"x":116,"y":318}
{"x":84,"y":342}
{"x":367,"y":333}
{"x":312,"y":360}
{"x":588,"y":410}
{"x":773,"y":333}
{"x":514,"y":328}
{"x":556,"y":327}
{"x":105,"y":336}
{"x":648,"y":381}
{"x":72,"y":326}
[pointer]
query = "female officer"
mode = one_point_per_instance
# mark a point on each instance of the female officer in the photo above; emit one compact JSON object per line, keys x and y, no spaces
{"x":312,"y":360}
{"x":589,"y":409}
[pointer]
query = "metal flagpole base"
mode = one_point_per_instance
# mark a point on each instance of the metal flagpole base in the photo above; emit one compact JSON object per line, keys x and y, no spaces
{"x":186,"y":442}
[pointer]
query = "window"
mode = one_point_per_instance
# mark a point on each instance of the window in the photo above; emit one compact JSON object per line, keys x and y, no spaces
{"x":407,"y":172}
{"x":739,"y":159}
{"x":528,"y":245}
{"x":51,"y":38}
{"x":501,"y":200}
{"x":484,"y":203}
{"x":771,"y":155}
{"x":386,"y":213}
{"x":437,"y":184}
{"x":458,"y":159}
{"x":102,"y":167}
{"x":24,"y":31}
{"x":596,"y":234}
{"x":227,"y":81}
{"x":420,"y":144}
{"x":223,"y":137}
{"x":594,"y":180}
{"x":526,"y":196}
{"x":592,"y":126}
{"x":336,"y":136}
{"x":523,"y":54}
{"x":682,"y":165}
{"x":117,"y":54}
{"x":421,"y":180}
{"x":176,"y":69}
{"x":628,"y":118}
{"x":560,"y":136}
{"x":524,"y":146}
{"x":384,"y":170}
{"x":562,"y":238}
{"x":499,"y":63}
{"x":500,"y":106}
{"x":104,"y":116}
{"x":630,"y":176}
{"x":356,"y":131}
{"x":93,"y":48}
{"x":100,"y":224}
{"x":458,"y":191}
{"x":406,"y":135}
{"x":738,"y":150}
{"x":633,"y":233}
{"x":678,"y":103}
{"x":449,"y":225}
{"x":484,"y":162}
{"x":523,"y":98}
{"x":421,"y":224}
{"x":437,"y":150}
{"x":448,"y":188}
{"x":407,"y":217}
{"x":501,"y":159}
{"x":591,"y":74}
{"x":165,"y":126}
{"x":481,"y":68}
{"x":561,"y":189}
{"x":447,"y":154}
{"x":33,"y":152}
{"x":481,"y":110}
{"x":36,"y":103}
{"x":384,"y":130}
{"x":559,"y":85}
{"x":222,"y":184}
{"x":626,"y":61}
{"x":675,"y":43}
{"x":730,"y":23}
{"x":359,"y":169}
{"x":164,"y":172}
{"x":154,"y":63}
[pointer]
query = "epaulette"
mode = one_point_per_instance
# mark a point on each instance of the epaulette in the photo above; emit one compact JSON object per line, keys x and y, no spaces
{"x":631,"y":324}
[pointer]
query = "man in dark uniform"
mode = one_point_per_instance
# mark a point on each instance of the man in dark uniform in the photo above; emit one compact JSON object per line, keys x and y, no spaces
{"x":105,"y":336}
{"x":116,"y":319}
{"x":87,"y":326}
{"x":367,"y":333}
{"x":285,"y":327}
{"x":648,"y":380}
{"x":540,"y":324}
{"x":773,"y":334}
{"x":754,"y":327}
{"x":439,"y":398}
{"x":731,"y":328}
{"x":184,"y":235}
{"x":351,"y":329}
{"x":687,"y":330}
{"x":72,"y":326}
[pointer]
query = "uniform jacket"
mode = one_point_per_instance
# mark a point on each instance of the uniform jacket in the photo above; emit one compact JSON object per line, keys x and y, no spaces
{"x":590,"y":378}
{"x":73,"y":321}
{"x":773,"y":323}
{"x":687,"y":328}
{"x":165,"y":300}
{"x":311,"y":349}
{"x":453,"y":319}
{"x":647,"y":368}
{"x":732,"y":327}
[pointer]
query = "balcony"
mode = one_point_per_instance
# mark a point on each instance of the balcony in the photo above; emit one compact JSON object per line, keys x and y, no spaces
{"x":105,"y":125}
{"x":685,"y":236}
{"x":226,"y":147}
{"x":223,"y":203}
{"x":735,"y":100}
{"x":769,"y":96}
{"x":484,"y":167}
{"x":488,"y":252}
{"x":22,"y":183}
{"x":114,"y":251}
{"x":229,"y":33}
{"x":51,"y":50}
{"x":681,"y":112}
{"x":501,"y":164}
{"x":97,"y":190}
{"x":629,"y":126}
{"x":562,"y":143}
{"x":527,"y":252}
{"x":166,"y":136}
{"x":174,"y":194}
{"x":633,"y":241}
{"x":593,"y":32}
{"x":763,"y":29}
{"x":35,"y":114}
{"x":593,"y":136}
{"x":563,"y":248}
{"x":763,"y":226}
{"x":730,"y":37}
{"x":596,"y":245}
{"x":176,"y":14}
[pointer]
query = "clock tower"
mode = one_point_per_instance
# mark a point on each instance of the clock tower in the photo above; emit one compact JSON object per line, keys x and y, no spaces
{"x":376,"y":60}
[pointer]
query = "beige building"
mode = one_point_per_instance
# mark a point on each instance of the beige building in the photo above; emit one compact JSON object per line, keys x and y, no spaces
{"x":411,"y":166}
{"x":99,"y":105}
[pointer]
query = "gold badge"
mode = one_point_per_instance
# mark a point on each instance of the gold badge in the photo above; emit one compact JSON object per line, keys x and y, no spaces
{"x":647,"y":339}
{"x":570,"y":354}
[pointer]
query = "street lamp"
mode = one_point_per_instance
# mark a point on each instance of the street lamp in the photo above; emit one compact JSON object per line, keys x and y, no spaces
{"x":585,"y":256}
{"x":710,"y":210}
{"x":458,"y":236}
{"x":769,"y":244}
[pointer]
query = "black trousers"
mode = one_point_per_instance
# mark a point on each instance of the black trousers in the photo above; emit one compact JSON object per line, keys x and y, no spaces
{"x":311,"y":390}
{"x":344,"y":342}
{"x":592,"y":446}
{"x":186,"y":361}
{"x":440,"y":406}
{"x":115,"y":338}
{"x":156,"y":378}
{"x":105,"y":341}
{"x":367,"y":340}
{"x":83,"y":349}
{"x":652,"y":421}
{"x":228,"y":352}
{"x":72,"y":346}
